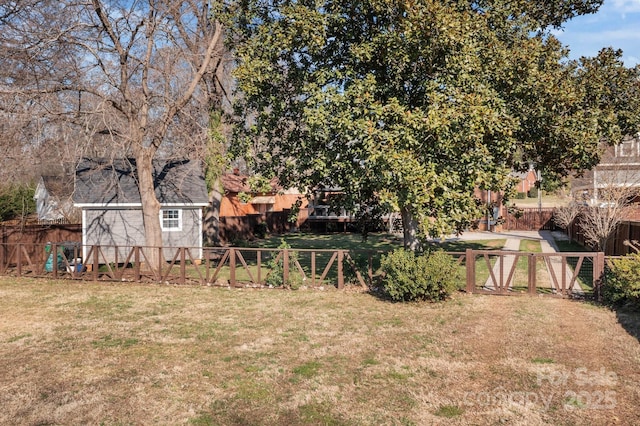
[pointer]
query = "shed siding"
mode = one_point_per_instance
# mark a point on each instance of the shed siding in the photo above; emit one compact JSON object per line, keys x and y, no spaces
{"x":124,"y":228}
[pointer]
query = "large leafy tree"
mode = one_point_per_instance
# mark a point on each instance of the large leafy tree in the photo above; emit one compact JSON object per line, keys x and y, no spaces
{"x":410,"y":104}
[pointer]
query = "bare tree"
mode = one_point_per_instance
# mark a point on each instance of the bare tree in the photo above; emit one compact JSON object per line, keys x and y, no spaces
{"x":135,"y":76}
{"x":564,"y":216}
{"x":614,"y":186}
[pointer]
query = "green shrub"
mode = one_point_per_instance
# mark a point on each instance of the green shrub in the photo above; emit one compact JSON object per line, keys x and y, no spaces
{"x":407,"y":276}
{"x":622,"y":281}
{"x":520,"y":195}
{"x":276,"y":274}
{"x":16,"y":201}
{"x":533,"y":192}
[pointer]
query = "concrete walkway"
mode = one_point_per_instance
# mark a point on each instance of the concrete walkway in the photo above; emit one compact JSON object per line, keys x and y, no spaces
{"x":503,"y":265}
{"x":547,"y":244}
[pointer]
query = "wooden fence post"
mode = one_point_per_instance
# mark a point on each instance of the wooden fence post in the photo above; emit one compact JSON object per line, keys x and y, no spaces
{"x":285,"y":267}
{"x":136,"y":264}
{"x":470,"y":263}
{"x":598,"y":274}
{"x":531,"y":285}
{"x":313,"y":268}
{"x":340,"y":269}
{"x":183,"y":266}
{"x":19,"y":259}
{"x":232,"y":267}
{"x":96,"y":261}
{"x":54,"y":263}
{"x":160,"y":264}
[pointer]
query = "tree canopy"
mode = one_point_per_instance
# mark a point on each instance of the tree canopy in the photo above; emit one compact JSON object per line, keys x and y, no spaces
{"x":134,"y":79}
{"x":413,"y":104}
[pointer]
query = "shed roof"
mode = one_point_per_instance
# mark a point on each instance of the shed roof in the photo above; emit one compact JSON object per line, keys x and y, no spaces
{"x":113,"y":182}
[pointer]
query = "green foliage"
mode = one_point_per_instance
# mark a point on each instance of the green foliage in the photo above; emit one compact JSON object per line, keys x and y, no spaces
{"x":244,"y":197}
{"x":533,"y":192}
{"x":414,"y":107}
{"x":16,"y":201}
{"x":520,"y":195}
{"x":622,"y":281}
{"x":409,"y":276}
{"x":215,"y":159}
{"x":295,"y":211}
{"x":259,"y":184}
{"x":276,"y":266}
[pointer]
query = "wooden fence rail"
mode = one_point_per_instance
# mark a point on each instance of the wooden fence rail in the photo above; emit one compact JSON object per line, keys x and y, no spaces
{"x":486,"y":271}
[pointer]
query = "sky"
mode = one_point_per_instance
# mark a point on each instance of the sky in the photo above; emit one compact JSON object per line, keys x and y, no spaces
{"x":616,"y":24}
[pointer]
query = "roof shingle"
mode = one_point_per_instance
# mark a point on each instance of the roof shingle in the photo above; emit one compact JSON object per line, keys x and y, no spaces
{"x":102,"y":181}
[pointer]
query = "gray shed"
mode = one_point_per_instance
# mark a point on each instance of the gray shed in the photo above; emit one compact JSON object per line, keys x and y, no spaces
{"x":107,"y":192}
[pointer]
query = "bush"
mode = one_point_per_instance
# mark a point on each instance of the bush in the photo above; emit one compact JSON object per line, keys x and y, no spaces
{"x":408,"y":277}
{"x":520,"y":195}
{"x":622,"y":281}
{"x":16,"y":201}
{"x":276,"y":266}
{"x":533,"y":192}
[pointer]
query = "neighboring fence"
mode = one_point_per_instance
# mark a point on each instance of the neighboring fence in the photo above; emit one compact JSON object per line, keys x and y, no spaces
{"x":617,"y":246}
{"x":32,"y":235}
{"x":487,"y":271}
{"x":234,"y":228}
{"x":626,"y":231}
{"x":530,"y":219}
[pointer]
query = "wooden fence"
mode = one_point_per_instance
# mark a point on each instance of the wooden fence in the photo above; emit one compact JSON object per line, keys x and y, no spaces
{"x":32,"y":236}
{"x":617,"y":246}
{"x":530,"y":219}
{"x":486,"y":271}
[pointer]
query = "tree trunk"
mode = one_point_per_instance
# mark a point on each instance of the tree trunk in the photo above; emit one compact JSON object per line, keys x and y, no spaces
{"x":211,"y":224}
{"x":150,"y":211}
{"x":410,"y":230}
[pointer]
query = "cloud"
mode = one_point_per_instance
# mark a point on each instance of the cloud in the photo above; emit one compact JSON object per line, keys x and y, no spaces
{"x":624,"y":6}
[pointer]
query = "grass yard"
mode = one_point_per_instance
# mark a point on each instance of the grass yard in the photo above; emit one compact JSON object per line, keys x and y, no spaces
{"x":377,"y":243}
{"x":83,"y":353}
{"x":347,"y":241}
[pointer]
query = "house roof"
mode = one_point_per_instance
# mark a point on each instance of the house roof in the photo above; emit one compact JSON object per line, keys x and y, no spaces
{"x":58,"y":186}
{"x":235,"y":182}
{"x":114,"y":182}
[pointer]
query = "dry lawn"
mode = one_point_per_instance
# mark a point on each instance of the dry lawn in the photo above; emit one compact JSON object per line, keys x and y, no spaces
{"x":82,"y":353}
